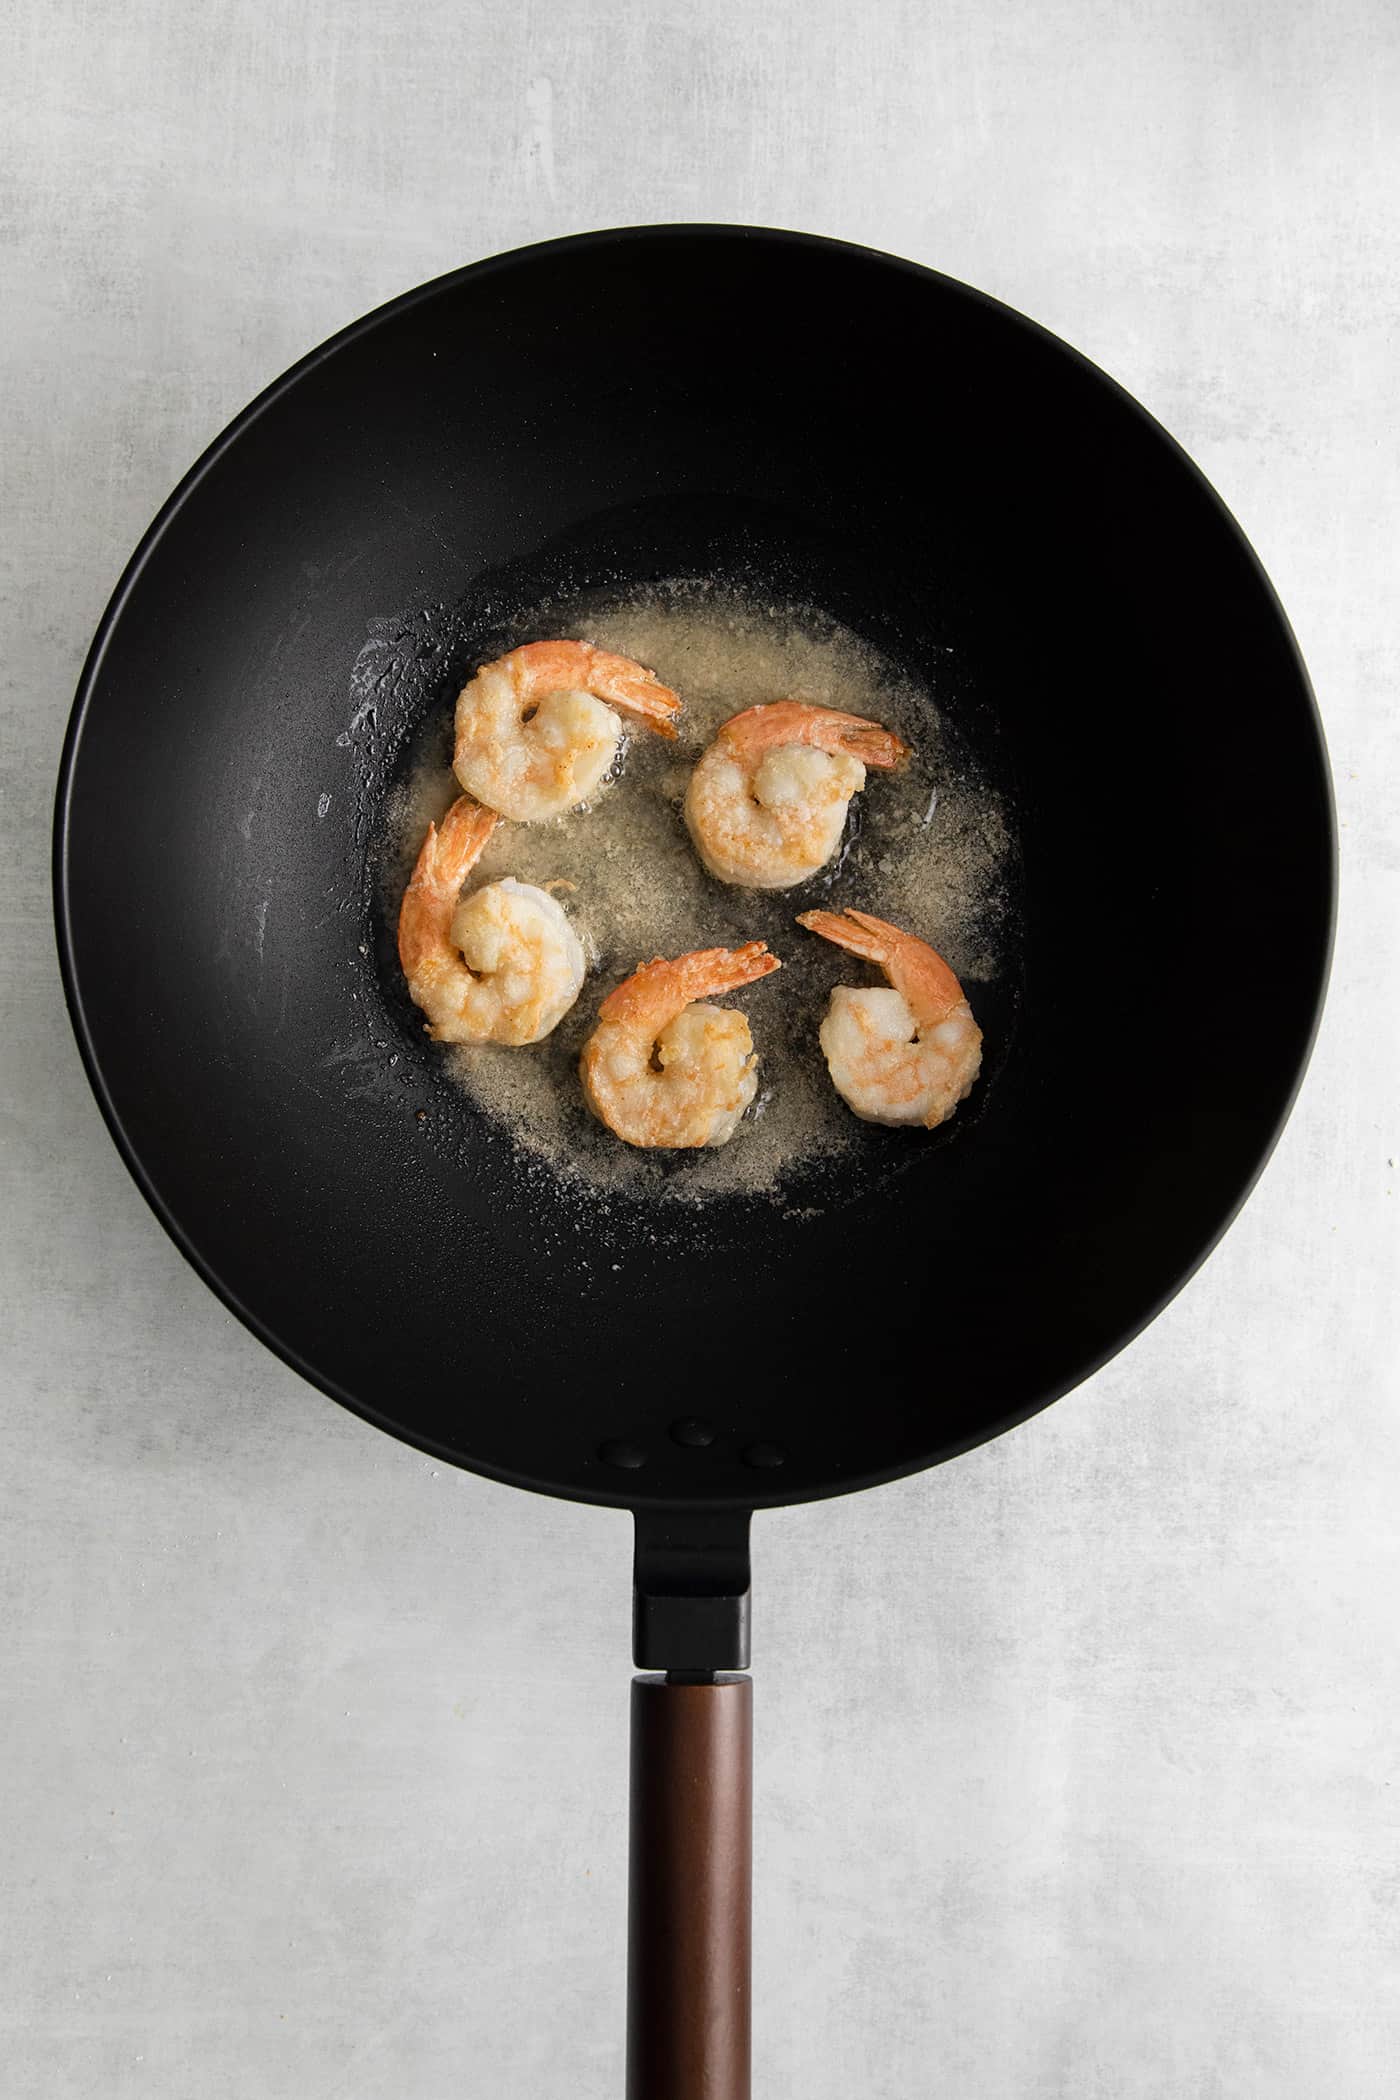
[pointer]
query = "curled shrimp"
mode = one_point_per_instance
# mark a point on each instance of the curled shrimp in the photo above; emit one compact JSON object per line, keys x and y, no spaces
{"x":502,"y":965}
{"x":662,"y":1068}
{"x":908,"y":1053}
{"x":536,"y":730}
{"x":767,"y":802}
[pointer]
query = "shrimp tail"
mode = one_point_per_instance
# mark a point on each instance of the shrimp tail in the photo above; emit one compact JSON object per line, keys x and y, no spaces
{"x":852,"y":930}
{"x":713,"y":970}
{"x":658,"y":990}
{"x":541,"y":667}
{"x":462,"y":838}
{"x":447,"y":856}
{"x":452,"y":850}
{"x":777,"y":722}
{"x":872,"y":745}
{"x":928,"y":983}
{"x":633,"y":690}
{"x":648,"y":701}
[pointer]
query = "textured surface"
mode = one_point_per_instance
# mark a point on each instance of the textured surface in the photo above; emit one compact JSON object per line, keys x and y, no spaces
{"x":1075,"y":1759}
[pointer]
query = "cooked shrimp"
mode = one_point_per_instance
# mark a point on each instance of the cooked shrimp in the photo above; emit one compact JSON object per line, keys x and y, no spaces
{"x":662,"y":1068}
{"x":538,"y":729}
{"x":907,"y":1054}
{"x":502,"y":965}
{"x":767,"y":802}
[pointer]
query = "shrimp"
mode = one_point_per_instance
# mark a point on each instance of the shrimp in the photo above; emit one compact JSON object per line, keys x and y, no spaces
{"x":908,"y":1054}
{"x":664,"y":1069}
{"x":537,"y":730}
{"x":502,"y":966}
{"x":766,"y":804}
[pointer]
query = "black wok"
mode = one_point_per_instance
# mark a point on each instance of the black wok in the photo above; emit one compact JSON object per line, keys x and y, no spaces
{"x":827,"y":425}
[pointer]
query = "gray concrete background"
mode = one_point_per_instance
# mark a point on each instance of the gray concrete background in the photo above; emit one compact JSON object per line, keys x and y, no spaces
{"x":1077,"y":1757}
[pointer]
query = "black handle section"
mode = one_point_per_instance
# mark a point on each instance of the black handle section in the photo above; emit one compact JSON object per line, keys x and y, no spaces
{"x":690,"y":1885}
{"x":690,"y":1597}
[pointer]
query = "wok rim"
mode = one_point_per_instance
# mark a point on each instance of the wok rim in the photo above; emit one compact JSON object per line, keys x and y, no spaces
{"x":89,"y":678}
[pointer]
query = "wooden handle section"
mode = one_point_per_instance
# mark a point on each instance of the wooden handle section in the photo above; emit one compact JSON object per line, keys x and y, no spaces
{"x":690,"y":1890}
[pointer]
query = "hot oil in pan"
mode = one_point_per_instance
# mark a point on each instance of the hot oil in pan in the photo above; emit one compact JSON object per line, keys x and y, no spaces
{"x":928,"y":846}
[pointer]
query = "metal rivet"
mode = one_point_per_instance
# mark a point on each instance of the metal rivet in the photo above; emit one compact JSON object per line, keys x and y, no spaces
{"x":763,"y":1455}
{"x":695,"y":1435}
{"x":617,"y":1453}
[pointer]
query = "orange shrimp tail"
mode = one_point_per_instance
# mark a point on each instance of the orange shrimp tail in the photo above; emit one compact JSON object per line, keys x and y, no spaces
{"x":872,"y":941}
{"x":914,"y":968}
{"x":659,"y":990}
{"x":461,"y":840}
{"x":708,"y":971}
{"x":627,"y":686}
{"x":447,"y":856}
{"x":874,"y":746}
{"x":636,"y":691}
{"x":778,"y":722}
{"x":885,"y":930}
{"x":464,"y":834}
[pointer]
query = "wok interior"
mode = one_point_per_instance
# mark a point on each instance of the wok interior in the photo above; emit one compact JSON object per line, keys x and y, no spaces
{"x":829,"y":427}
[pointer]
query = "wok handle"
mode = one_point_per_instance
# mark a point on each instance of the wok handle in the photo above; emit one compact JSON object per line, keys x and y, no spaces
{"x":690,"y":1890}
